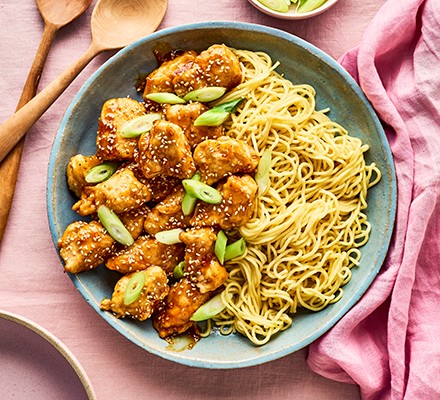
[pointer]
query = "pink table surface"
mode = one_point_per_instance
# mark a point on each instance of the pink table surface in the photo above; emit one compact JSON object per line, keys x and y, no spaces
{"x":32,"y":283}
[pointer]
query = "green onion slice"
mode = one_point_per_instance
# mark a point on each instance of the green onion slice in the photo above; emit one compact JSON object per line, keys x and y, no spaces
{"x":169,"y":237}
{"x":206,"y":94}
{"x":114,"y":226}
{"x":179,"y":270}
{"x":134,"y":287}
{"x":210,"y":309}
{"x":235,"y":249}
{"x":202,"y":191}
{"x":102,"y":172}
{"x":165,"y":98}
{"x":263,"y":169}
{"x":218,"y":114}
{"x":189,"y":201}
{"x":220,"y":246}
{"x":139,"y":125}
{"x":276,"y":5}
{"x":309,"y":5}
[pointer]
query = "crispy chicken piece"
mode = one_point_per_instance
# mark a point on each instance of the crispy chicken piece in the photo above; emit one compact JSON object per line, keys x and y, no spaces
{"x":165,"y":151}
{"x":154,"y":290}
{"x":201,"y":264}
{"x":109,"y":142}
{"x":173,"y":315}
{"x":239,"y":193}
{"x":216,"y":66}
{"x":160,"y":80}
{"x":77,"y":169}
{"x":144,"y":253}
{"x":184,"y":116}
{"x":224,"y":156}
{"x":84,"y":246}
{"x":121,"y":192}
{"x":167,"y":214}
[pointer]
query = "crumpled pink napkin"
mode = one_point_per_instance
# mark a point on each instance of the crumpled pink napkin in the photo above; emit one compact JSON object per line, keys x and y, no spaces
{"x":389,"y":343}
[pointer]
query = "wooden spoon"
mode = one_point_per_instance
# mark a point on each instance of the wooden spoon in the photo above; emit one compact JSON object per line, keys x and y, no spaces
{"x":55,"y":14}
{"x":115,"y":24}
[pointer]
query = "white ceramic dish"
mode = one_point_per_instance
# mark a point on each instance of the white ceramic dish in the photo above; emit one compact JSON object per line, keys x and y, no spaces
{"x":292,"y":14}
{"x":34,"y":364}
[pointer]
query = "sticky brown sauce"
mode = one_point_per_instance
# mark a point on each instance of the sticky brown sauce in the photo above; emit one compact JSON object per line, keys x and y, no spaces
{"x":185,"y":341}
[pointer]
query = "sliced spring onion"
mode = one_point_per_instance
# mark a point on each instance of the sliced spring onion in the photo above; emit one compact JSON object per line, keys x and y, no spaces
{"x":218,"y":114}
{"x":210,"y":309}
{"x":220,"y":246}
{"x":139,"y":125}
{"x":202,"y":191}
{"x":169,"y":237}
{"x":179,"y":270}
{"x":134,"y":287}
{"x":206,"y":94}
{"x":235,"y":249}
{"x":114,"y":226}
{"x":263,"y":169}
{"x":309,"y":5}
{"x":276,"y":5}
{"x":189,"y":201}
{"x":102,"y":172}
{"x":165,"y":98}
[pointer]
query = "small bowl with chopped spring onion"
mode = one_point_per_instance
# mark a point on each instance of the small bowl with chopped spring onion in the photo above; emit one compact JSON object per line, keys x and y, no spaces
{"x":293,"y":9}
{"x":283,"y":290}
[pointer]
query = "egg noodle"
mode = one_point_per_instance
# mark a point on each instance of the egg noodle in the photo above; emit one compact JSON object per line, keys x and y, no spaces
{"x":306,"y":229}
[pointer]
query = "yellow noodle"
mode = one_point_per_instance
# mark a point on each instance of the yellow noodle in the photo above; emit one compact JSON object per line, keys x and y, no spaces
{"x":304,"y":235}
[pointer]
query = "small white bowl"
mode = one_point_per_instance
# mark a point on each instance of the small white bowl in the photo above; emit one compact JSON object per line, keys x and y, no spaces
{"x":36,"y":364}
{"x":292,"y":14}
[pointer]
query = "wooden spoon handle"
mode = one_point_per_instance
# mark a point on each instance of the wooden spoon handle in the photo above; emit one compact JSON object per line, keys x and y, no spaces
{"x":10,"y":165}
{"x":14,"y":128}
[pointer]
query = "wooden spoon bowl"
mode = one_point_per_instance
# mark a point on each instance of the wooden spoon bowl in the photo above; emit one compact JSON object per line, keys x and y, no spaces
{"x":61,"y":12}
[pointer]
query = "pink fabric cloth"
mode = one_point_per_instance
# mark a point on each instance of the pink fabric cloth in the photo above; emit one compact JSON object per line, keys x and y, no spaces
{"x":389,"y":342}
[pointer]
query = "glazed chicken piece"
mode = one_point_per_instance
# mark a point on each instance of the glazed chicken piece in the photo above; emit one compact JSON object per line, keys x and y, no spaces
{"x":134,"y":220}
{"x":84,"y":246}
{"x":165,"y":151}
{"x":162,"y":186}
{"x":203,"y":275}
{"x":160,"y":80}
{"x":167,"y":214}
{"x":201,"y":264}
{"x":109,"y":142}
{"x":239,"y":193}
{"x":121,"y":192}
{"x":224,"y":156}
{"x":216,"y":66}
{"x":77,"y":169}
{"x":145,"y":252}
{"x":173,"y":315}
{"x":184,"y":116}
{"x":154,"y":290}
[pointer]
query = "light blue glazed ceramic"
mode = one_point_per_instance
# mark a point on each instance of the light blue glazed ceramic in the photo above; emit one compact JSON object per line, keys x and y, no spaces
{"x":301,"y":63}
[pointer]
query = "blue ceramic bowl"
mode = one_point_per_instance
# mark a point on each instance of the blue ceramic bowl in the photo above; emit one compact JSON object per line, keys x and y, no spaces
{"x":301,"y":63}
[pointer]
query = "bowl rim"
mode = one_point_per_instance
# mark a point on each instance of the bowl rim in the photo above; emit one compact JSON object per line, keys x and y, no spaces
{"x":291,"y":14}
{"x":322,"y":56}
